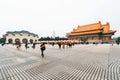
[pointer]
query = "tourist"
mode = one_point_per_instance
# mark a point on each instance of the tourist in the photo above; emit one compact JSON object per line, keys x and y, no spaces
{"x":19,"y":45}
{"x":63,"y":45}
{"x":26,"y":45}
{"x":59,"y":44}
{"x":42,"y":47}
{"x":3,"y":44}
{"x":34,"y":45}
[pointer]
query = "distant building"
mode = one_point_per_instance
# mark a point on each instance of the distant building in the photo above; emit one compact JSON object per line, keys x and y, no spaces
{"x":22,"y":36}
{"x":95,"y":32}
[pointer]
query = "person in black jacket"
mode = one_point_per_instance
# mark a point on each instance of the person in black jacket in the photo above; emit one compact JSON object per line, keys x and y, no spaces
{"x":26,"y":45}
{"x":42,"y":47}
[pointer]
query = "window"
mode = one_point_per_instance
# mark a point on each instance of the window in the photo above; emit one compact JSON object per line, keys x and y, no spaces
{"x":24,"y":40}
{"x":10,"y":41}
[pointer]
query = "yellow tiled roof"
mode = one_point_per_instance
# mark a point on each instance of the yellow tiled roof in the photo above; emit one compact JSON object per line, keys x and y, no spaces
{"x":91,"y":29}
{"x":89,"y":32}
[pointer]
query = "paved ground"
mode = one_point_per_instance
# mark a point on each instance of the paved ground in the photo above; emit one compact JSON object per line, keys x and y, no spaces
{"x":81,"y":62}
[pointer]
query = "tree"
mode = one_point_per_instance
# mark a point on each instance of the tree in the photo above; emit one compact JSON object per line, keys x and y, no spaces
{"x":2,"y":40}
{"x":51,"y":38}
{"x":118,"y":40}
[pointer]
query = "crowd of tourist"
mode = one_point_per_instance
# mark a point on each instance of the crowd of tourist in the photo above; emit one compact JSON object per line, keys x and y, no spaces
{"x":60,"y":43}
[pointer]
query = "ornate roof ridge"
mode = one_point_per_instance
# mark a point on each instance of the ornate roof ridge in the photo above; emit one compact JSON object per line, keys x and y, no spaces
{"x":22,"y":31}
{"x":93,"y":26}
{"x":99,"y":22}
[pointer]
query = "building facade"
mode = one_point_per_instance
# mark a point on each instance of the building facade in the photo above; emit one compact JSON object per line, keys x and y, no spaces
{"x":22,"y":36}
{"x":95,"y":32}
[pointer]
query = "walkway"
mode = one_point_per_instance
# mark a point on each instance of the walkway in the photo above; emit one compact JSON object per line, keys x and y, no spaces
{"x":81,"y":62}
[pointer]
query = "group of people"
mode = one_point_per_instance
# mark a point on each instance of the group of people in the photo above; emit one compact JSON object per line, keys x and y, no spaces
{"x":63,"y":44}
{"x":42,"y":47}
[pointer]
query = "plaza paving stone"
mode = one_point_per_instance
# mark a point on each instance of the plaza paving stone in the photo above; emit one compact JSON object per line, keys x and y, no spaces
{"x":81,"y":62}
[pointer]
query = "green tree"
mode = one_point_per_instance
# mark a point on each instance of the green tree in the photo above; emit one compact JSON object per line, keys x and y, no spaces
{"x":2,"y":40}
{"x":118,"y":40}
{"x":51,"y":38}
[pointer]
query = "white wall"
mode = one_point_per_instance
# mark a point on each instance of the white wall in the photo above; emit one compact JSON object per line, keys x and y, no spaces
{"x":24,"y":35}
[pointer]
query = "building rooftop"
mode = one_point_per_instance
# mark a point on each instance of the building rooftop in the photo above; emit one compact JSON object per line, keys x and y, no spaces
{"x":22,"y":31}
{"x":92,"y":29}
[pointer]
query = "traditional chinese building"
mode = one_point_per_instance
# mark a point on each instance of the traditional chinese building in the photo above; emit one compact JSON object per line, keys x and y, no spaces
{"x":22,"y":36}
{"x":95,"y":32}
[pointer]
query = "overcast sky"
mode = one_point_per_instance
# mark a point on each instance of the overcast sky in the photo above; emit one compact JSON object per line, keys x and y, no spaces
{"x":45,"y":17}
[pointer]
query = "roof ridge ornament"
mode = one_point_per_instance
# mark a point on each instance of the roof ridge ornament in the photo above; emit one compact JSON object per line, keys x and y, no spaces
{"x":99,"y":22}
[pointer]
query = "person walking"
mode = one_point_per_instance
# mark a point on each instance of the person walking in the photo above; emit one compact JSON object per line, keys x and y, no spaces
{"x":26,"y":45}
{"x":42,"y":47}
{"x":34,"y":44}
{"x":59,"y":44}
{"x":18,"y":45}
